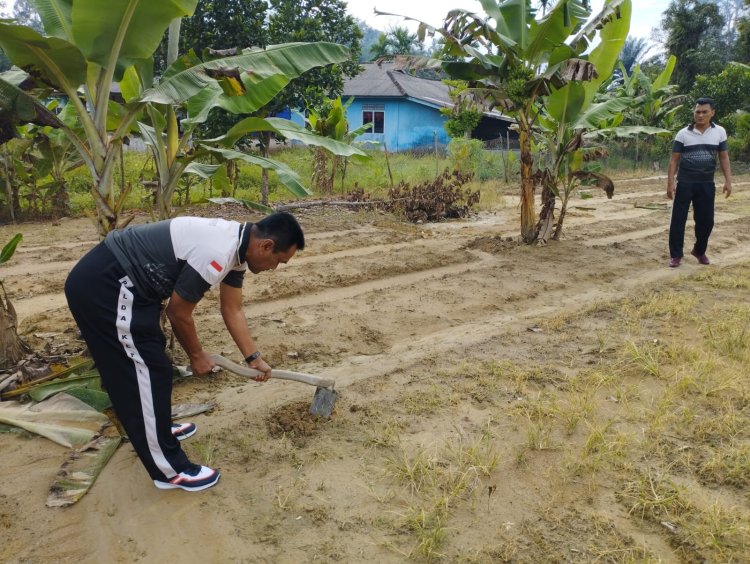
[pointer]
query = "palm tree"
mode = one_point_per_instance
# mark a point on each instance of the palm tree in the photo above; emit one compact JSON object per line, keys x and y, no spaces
{"x":381,"y":48}
{"x":633,"y":52}
{"x":404,"y":43}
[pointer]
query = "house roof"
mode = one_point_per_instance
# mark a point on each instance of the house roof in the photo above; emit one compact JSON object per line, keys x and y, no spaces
{"x":377,"y":81}
{"x":384,"y":81}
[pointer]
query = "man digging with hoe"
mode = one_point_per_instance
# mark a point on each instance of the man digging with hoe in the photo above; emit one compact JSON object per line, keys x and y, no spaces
{"x":115,"y":294}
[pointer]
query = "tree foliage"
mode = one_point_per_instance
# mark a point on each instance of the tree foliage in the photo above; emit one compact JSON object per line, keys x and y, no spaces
{"x":464,"y":116}
{"x":220,"y":25}
{"x":397,"y":41}
{"x":730,"y":90}
{"x":695,"y":36}
{"x":315,"y":20}
{"x":370,"y":37}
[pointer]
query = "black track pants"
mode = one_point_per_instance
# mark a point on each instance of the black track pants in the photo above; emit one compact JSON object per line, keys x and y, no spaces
{"x":702,"y":195}
{"x":122,"y":332}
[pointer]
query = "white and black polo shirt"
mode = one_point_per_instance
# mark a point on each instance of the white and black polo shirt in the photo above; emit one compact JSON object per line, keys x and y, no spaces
{"x":186,"y":255}
{"x":698,"y":152}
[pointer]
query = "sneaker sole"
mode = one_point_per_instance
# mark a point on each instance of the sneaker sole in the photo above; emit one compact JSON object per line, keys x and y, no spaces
{"x":168,"y":486}
{"x":183,"y":436}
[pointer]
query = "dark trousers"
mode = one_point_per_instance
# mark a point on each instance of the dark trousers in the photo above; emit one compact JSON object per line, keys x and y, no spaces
{"x":701,"y":195}
{"x":123,"y":334}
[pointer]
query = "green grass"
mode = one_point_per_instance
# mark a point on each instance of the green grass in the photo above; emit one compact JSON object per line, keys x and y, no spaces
{"x":662,"y":427}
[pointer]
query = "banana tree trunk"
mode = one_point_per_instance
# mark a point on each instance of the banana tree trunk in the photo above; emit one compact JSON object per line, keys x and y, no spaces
{"x":106,"y":215}
{"x":12,"y":347}
{"x":102,"y":171}
{"x":565,"y":198}
{"x":9,"y":187}
{"x":528,"y":214}
{"x":547,"y":214}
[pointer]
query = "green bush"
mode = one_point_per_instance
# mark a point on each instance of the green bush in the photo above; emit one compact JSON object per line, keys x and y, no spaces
{"x":739,"y":143}
{"x":465,"y":154}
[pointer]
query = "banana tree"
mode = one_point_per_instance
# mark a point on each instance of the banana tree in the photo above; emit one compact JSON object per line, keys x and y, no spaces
{"x":568,"y":112}
{"x":87,"y":48}
{"x":12,"y":347}
{"x":512,"y":59}
{"x":576,"y":114}
{"x":90,"y":45}
{"x":655,"y":102}
{"x":331,"y":122}
{"x":174,"y":146}
{"x":568,"y":126}
{"x":16,"y":108}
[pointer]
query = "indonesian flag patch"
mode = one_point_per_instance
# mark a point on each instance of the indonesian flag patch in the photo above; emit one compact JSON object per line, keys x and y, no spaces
{"x":216,"y":266}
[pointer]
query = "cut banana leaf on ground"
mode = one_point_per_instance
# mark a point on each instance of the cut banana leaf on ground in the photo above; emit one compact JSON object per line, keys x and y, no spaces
{"x":77,"y":366}
{"x":95,"y":398}
{"x":182,"y":410}
{"x":89,"y":379}
{"x":62,"y":418}
{"x":81,"y":468}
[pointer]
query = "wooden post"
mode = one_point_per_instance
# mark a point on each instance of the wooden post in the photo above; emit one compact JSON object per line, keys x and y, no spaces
{"x":437,"y":160}
{"x":388,"y":163}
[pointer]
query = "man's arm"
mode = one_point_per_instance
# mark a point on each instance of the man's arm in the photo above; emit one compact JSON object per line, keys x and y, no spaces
{"x":726,"y":170}
{"x":236,"y":322}
{"x":180,"y":314}
{"x":674,"y":161}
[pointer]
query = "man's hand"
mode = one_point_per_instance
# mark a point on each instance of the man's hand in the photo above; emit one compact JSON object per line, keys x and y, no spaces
{"x":670,"y":190}
{"x":201,"y":363}
{"x":727,"y":189}
{"x":262,"y":366}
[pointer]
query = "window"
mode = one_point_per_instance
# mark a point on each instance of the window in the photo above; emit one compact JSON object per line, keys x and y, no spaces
{"x":374,"y":114}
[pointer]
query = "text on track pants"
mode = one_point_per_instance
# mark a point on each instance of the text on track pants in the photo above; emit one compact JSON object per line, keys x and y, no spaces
{"x":122,"y":332}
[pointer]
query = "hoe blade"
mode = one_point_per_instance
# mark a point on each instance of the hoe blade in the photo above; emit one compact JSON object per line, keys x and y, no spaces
{"x":323,"y":402}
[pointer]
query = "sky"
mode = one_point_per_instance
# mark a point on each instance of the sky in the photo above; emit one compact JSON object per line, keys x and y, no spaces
{"x":646,"y":13}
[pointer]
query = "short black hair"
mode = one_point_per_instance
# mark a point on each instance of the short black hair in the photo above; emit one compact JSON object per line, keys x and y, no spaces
{"x":283,"y":229}
{"x":704,"y":100}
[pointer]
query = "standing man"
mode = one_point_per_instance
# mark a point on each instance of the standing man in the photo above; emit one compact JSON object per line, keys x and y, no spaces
{"x":694,"y":150}
{"x":115,"y":294}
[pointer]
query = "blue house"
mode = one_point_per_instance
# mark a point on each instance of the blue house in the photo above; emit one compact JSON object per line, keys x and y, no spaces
{"x":405,"y":110}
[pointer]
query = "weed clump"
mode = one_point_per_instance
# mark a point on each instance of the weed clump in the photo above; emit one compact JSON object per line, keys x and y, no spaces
{"x":441,"y":198}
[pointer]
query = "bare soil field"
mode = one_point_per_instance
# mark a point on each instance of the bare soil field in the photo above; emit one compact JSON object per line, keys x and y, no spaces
{"x":576,"y":402}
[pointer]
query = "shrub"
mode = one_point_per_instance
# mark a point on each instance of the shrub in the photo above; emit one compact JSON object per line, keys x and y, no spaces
{"x":441,"y":198}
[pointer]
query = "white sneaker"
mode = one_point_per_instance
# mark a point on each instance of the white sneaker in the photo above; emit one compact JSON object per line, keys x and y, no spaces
{"x":193,"y":479}
{"x":182,"y":431}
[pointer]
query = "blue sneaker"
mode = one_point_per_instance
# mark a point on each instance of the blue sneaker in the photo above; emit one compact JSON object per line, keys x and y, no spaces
{"x":194,"y":479}
{"x":182,"y":431}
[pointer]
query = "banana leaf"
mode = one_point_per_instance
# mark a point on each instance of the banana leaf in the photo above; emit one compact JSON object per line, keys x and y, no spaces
{"x":59,"y":62}
{"x":88,"y":379}
{"x":79,"y":365}
{"x":182,"y":410}
{"x":62,"y":418}
{"x":291,"y":131}
{"x":10,"y":248}
{"x":81,"y":468}
{"x":97,"y":399}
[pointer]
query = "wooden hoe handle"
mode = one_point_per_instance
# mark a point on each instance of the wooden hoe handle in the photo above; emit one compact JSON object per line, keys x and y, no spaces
{"x":279,"y":374}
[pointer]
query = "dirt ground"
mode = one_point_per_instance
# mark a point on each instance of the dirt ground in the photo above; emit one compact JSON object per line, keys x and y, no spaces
{"x":383,"y":307}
